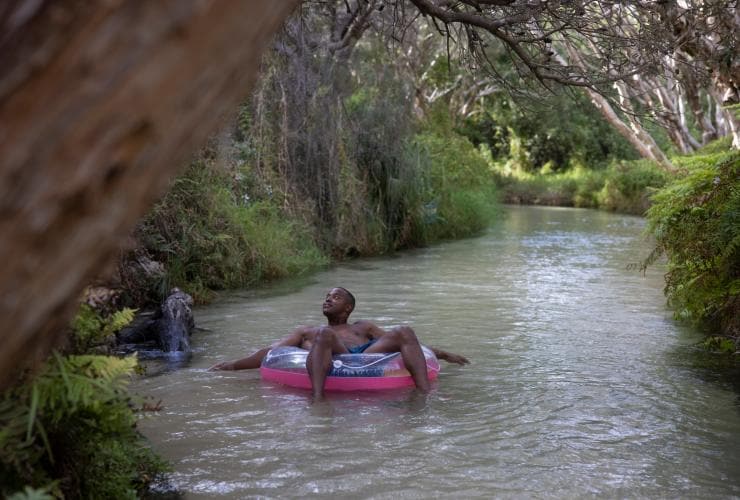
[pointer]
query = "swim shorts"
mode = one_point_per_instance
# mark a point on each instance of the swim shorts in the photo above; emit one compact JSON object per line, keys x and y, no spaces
{"x":360,"y":348}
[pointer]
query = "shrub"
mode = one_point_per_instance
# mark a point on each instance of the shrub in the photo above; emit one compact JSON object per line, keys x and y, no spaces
{"x":90,"y":329}
{"x":625,"y":186}
{"x":696,"y":223}
{"x":629,"y":185}
{"x":461,"y":198}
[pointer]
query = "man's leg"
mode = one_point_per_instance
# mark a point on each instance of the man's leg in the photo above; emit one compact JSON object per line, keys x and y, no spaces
{"x":403,"y":339}
{"x":318,"y":362}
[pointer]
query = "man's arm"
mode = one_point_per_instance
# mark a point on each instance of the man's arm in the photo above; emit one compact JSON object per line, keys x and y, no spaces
{"x":450,"y":357}
{"x":249,"y":363}
{"x":375,"y":332}
{"x":254,"y":360}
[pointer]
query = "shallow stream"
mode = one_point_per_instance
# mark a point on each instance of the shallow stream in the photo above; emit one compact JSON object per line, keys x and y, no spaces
{"x":581,"y":384}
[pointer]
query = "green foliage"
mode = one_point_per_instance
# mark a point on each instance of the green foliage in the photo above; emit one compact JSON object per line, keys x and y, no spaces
{"x":716,"y":343}
{"x":625,"y":186}
{"x":425,"y":186}
{"x":554,"y":134}
{"x":90,"y":329}
{"x":696,"y":223}
{"x":629,"y":185}
{"x":461,"y":199}
{"x":211,"y":234}
{"x":29,"y":493}
{"x":71,"y":431}
{"x":377,"y":145}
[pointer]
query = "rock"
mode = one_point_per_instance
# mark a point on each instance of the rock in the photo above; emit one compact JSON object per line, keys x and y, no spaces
{"x":168,"y":328}
{"x":175,"y":323}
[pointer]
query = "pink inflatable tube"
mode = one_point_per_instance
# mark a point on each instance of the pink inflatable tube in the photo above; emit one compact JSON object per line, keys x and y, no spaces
{"x":350,"y":372}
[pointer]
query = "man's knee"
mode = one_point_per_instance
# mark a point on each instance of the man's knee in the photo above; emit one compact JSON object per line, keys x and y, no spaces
{"x":404,"y":334}
{"x":325,"y":336}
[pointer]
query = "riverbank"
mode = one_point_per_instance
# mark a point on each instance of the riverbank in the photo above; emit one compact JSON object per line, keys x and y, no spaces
{"x":622,"y":187}
{"x":696,"y":224}
{"x":227,"y":223}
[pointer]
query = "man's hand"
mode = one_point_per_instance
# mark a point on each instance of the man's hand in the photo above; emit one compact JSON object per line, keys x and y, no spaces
{"x":451,"y":358}
{"x":223,"y":365}
{"x":457,"y":359}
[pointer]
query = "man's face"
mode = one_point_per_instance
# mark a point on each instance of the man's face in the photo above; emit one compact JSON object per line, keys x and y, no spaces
{"x":336,"y":302}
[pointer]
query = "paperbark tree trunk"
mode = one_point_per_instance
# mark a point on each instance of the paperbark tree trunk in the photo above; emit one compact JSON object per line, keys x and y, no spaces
{"x":100,"y":104}
{"x":640,"y":140}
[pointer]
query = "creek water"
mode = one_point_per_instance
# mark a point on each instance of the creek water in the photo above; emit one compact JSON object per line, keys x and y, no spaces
{"x":580,"y":383}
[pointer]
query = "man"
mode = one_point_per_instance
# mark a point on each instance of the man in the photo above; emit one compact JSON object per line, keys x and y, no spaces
{"x":339,"y":337}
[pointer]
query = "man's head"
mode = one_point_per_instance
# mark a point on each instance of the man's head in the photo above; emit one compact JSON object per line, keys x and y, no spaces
{"x":338,"y":302}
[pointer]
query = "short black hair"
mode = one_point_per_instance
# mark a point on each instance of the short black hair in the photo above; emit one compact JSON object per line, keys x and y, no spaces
{"x":349,"y":295}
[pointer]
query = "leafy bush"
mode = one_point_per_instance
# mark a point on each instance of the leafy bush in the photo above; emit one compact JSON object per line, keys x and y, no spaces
{"x":696,"y":222}
{"x":461,"y":199}
{"x":393,"y":175}
{"x":71,"y":430}
{"x":210,"y":234}
{"x":625,"y":186}
{"x":629,"y":185}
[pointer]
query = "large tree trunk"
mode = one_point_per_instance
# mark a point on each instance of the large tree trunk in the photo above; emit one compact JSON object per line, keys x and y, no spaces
{"x":100,"y":103}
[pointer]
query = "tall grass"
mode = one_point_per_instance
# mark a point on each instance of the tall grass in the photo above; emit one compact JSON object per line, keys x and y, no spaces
{"x":211,"y":235}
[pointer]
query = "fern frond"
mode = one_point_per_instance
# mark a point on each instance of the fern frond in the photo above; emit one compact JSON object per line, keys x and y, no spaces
{"x":732,"y":247}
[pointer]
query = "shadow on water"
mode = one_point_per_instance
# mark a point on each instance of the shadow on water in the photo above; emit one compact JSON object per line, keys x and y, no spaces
{"x":280,"y":288}
{"x":715,"y":368}
{"x":719,"y":369}
{"x":282,"y":398}
{"x":153,"y":361}
{"x":162,"y":489}
{"x":155,"y":366}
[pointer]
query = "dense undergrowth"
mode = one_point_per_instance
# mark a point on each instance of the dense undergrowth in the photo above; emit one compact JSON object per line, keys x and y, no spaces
{"x":226,"y":227}
{"x":696,"y":223}
{"x":70,"y":432}
{"x":211,"y":235}
{"x":69,"y":429}
{"x":307,"y":178}
{"x":561,"y":152}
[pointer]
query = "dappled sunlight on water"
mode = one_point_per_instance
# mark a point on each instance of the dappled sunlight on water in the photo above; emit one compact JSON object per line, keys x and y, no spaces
{"x":575,"y":387}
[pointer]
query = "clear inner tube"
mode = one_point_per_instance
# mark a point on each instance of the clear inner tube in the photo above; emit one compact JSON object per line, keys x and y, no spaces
{"x":293,"y":359}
